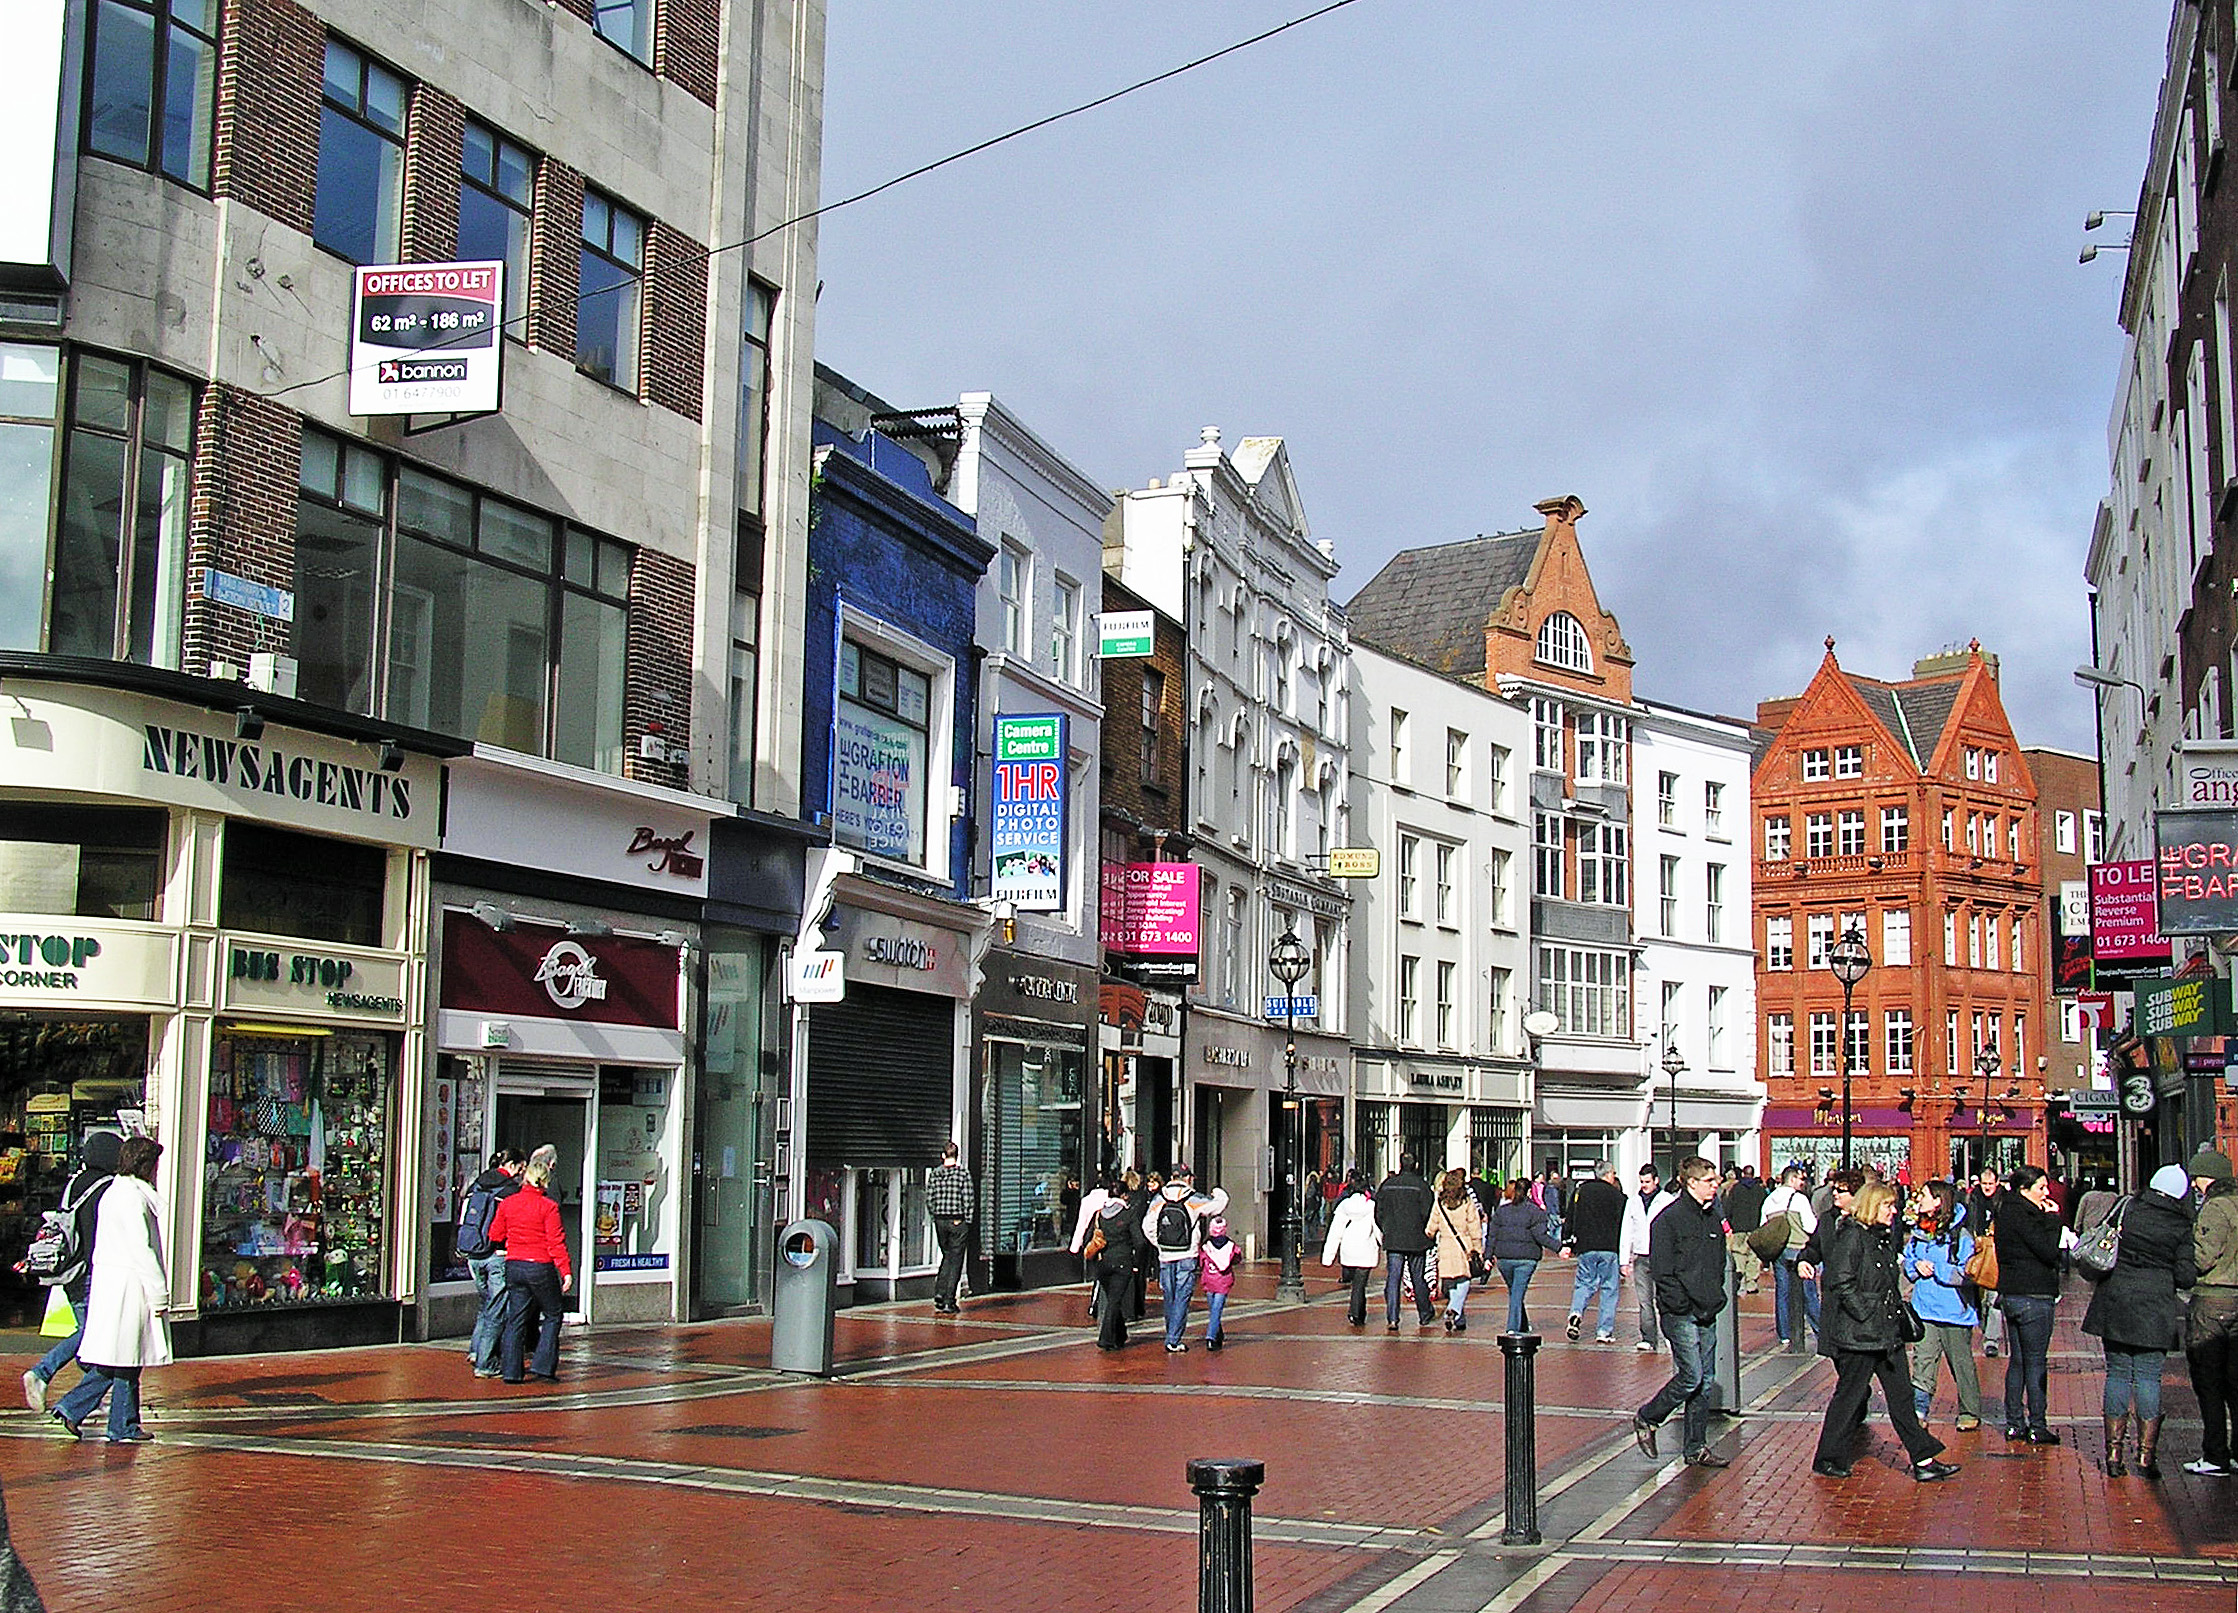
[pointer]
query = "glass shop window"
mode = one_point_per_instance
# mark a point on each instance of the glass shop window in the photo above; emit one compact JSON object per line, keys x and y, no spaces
{"x":91,"y":862}
{"x":278,"y":882}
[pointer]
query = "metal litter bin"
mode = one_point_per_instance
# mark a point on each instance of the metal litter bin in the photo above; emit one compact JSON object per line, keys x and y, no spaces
{"x":807,"y":1297}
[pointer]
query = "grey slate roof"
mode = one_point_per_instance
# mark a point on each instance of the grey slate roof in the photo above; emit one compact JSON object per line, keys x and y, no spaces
{"x":1916,"y":713}
{"x":1430,"y":605}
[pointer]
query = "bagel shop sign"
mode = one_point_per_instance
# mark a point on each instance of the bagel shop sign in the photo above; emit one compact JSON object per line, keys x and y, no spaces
{"x":2197,"y":870}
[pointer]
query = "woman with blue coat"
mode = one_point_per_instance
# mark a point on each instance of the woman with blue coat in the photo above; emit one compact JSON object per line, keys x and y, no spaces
{"x":1935,"y":1257}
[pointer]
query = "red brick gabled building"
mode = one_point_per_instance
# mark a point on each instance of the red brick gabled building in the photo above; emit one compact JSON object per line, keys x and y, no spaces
{"x":1904,"y":811}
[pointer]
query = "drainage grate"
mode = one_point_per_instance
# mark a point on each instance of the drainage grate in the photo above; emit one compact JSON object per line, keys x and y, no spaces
{"x":736,"y":1431}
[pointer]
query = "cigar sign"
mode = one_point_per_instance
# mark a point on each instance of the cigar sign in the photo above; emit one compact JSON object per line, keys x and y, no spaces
{"x":425,"y":338}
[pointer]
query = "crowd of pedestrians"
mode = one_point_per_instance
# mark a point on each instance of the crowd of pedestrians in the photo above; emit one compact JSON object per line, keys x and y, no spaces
{"x":1892,"y":1282}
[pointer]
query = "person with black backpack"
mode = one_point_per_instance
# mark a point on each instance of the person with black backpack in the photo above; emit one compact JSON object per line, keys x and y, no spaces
{"x":485,"y":1261}
{"x":81,"y":1203}
{"x":1174,"y":1225}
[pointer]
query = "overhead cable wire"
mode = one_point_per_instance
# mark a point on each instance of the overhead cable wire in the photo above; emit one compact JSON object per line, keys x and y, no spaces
{"x":918,"y":172}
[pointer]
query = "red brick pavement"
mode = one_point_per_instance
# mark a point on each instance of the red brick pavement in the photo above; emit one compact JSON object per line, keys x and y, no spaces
{"x":1656,"y":1589}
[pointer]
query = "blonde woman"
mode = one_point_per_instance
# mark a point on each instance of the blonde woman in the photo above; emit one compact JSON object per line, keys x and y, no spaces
{"x":1458,"y":1226}
{"x":537,"y":1269}
{"x":1862,"y":1309}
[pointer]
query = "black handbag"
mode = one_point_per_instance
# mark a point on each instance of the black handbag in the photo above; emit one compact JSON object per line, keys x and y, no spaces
{"x":1477,"y":1268}
{"x":1908,"y":1324}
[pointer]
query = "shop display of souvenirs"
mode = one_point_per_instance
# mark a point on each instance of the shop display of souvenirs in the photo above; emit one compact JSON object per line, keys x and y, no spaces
{"x":294,"y":1174}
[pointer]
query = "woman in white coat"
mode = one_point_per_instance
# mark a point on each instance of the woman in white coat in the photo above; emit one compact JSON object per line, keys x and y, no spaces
{"x":1355,"y":1242}
{"x":125,"y":1328}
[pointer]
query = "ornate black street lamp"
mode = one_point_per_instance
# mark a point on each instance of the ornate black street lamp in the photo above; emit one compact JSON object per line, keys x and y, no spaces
{"x":1288,"y":962}
{"x":1674,"y":1066}
{"x":1849,"y":959}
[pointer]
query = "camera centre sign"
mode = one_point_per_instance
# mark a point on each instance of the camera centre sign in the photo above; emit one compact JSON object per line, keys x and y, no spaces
{"x":425,"y":338}
{"x":1029,"y":812}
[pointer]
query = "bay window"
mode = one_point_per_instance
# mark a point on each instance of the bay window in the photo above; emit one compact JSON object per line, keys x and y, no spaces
{"x":151,"y":85}
{"x":120,"y":539}
{"x":1588,"y":991}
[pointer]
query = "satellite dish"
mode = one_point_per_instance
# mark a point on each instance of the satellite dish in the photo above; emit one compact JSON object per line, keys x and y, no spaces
{"x":1540,"y":1023}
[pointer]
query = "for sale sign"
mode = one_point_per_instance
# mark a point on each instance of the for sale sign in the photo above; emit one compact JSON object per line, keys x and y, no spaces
{"x":425,"y":338}
{"x":1029,"y":812}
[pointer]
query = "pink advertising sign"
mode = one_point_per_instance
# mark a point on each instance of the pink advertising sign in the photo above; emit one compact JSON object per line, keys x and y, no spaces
{"x":1150,"y":909}
{"x":2124,"y":914}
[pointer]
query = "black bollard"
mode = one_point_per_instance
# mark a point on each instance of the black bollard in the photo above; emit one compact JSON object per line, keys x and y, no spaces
{"x":1798,"y":1321}
{"x":1522,"y":1415}
{"x":1224,"y":1492}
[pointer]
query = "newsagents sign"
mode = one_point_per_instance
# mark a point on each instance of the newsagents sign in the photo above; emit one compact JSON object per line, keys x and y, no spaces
{"x":425,"y":338}
{"x":1028,"y":823}
{"x":111,"y":742}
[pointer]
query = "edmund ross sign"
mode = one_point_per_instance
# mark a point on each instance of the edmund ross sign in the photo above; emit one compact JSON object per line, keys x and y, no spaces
{"x":425,"y":338}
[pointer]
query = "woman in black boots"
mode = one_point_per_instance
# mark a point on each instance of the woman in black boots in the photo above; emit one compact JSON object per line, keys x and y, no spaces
{"x":2134,"y":1311}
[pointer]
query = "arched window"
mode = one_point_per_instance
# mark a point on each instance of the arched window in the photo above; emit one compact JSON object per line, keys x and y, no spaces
{"x":1562,"y":643}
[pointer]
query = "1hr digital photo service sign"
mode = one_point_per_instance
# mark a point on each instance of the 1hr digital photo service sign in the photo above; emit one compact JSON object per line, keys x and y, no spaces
{"x":427,"y":338}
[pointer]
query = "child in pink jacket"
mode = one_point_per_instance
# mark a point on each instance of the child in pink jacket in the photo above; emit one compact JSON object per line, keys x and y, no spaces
{"x":1216,"y":1274}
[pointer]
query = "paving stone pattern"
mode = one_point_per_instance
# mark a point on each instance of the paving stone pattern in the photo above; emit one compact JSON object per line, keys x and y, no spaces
{"x":1000,"y":1461}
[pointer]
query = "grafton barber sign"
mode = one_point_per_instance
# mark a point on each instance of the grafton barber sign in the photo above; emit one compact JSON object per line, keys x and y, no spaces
{"x":2198,"y":873}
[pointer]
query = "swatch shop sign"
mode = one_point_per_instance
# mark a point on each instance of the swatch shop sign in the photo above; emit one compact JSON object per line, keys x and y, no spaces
{"x":540,"y":971}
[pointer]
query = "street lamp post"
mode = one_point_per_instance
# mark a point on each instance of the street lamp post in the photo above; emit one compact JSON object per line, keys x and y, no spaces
{"x":1674,"y":1066}
{"x":1985,"y":1066}
{"x":1849,"y":958}
{"x":1288,"y":962}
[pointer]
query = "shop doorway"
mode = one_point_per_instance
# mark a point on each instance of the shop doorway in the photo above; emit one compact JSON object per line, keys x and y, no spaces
{"x":526,"y":1120}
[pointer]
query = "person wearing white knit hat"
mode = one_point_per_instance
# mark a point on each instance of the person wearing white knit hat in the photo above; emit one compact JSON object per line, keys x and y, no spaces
{"x":2135,"y":1314}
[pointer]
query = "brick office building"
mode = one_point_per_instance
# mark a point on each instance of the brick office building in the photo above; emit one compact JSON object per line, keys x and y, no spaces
{"x":1903,"y":812}
{"x":593,"y":590}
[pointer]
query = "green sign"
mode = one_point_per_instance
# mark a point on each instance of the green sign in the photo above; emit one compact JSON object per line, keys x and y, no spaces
{"x":1030,"y":739}
{"x":1123,"y":633}
{"x":2190,"y":1006}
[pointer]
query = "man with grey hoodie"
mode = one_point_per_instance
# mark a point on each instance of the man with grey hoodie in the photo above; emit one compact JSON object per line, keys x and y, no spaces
{"x":1174,"y":1226}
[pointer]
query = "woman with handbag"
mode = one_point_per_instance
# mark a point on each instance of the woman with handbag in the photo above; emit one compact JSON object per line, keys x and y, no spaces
{"x":1935,"y":1257}
{"x":2134,"y":1311}
{"x":1458,"y":1226}
{"x":1865,"y":1328}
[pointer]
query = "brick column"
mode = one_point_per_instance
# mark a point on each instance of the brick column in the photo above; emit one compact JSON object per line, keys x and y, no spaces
{"x":675,"y":367}
{"x":687,"y":45}
{"x":271,"y":60}
{"x":432,"y":155}
{"x":555,"y":273}
{"x":657,"y":665}
{"x":241,"y":519}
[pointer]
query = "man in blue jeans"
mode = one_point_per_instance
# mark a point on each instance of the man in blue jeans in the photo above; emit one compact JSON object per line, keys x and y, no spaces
{"x":1596,"y":1227}
{"x":1174,"y":1226}
{"x":1687,"y":1256}
{"x":501,"y":1181}
{"x":1402,"y":1215}
{"x":82,"y":1197}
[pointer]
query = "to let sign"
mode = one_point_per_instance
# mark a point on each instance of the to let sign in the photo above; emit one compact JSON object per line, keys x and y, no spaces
{"x":424,"y":338}
{"x":2124,"y":927}
{"x":2198,"y":869}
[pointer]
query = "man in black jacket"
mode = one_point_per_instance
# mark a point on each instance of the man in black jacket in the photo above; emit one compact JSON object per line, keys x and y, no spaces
{"x":1402,"y":1214}
{"x":1686,"y":1257}
{"x":1596,"y":1226}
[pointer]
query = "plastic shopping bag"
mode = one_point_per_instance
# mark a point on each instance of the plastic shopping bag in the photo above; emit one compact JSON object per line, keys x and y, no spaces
{"x":61,"y":1321}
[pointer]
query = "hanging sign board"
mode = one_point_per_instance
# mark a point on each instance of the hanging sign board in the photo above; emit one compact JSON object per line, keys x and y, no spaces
{"x":2198,"y":872}
{"x":1355,"y":862}
{"x":2124,"y":937}
{"x":1028,"y":826}
{"x":425,"y":338}
{"x":1123,"y":633}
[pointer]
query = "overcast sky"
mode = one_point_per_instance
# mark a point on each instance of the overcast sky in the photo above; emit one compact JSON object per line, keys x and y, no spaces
{"x":1787,"y":294}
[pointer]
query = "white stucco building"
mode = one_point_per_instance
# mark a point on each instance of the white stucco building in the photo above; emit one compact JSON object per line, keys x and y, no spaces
{"x":1695,"y":978}
{"x":1440,"y":952}
{"x":1224,"y":547}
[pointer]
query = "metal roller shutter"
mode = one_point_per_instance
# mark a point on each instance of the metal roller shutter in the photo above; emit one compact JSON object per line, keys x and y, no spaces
{"x":881,"y":1078}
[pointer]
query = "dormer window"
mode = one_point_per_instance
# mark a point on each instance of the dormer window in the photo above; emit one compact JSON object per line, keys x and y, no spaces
{"x":1562,"y":643}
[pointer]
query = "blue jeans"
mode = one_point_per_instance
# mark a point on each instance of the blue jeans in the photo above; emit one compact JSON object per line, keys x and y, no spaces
{"x":2027,"y":1359}
{"x":488,"y":1272}
{"x":66,"y":1350}
{"x":124,"y":1401}
{"x":1517,"y":1275}
{"x":2133,"y":1379}
{"x":1413,"y":1263}
{"x":1177,"y":1280}
{"x":1214,"y":1305}
{"x":1693,"y":1366}
{"x":1596,"y":1274}
{"x":1783,"y":1297}
{"x":1457,"y":1297}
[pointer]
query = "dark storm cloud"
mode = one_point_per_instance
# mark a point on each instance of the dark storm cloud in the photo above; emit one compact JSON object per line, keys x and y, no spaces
{"x":1786,"y":294}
